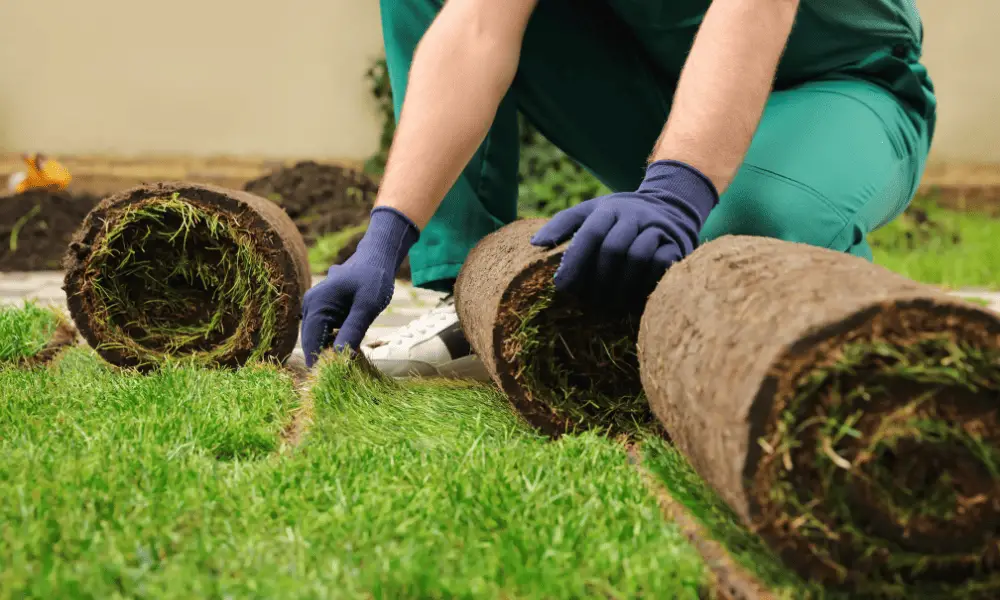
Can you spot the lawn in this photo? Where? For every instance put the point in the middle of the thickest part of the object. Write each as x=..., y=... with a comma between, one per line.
x=212, y=483
x=183, y=483
x=944, y=247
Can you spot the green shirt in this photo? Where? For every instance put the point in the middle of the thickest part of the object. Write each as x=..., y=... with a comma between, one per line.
x=876, y=40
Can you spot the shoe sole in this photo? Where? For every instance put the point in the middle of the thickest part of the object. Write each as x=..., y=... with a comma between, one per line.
x=467, y=367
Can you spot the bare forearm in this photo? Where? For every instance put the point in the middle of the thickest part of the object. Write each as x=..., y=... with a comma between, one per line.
x=725, y=85
x=460, y=73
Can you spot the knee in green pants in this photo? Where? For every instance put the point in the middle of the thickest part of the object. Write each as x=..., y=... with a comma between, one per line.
x=830, y=162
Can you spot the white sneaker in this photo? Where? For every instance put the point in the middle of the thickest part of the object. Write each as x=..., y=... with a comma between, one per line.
x=433, y=345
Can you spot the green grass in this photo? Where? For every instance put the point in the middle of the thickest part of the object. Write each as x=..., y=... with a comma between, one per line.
x=24, y=330
x=328, y=247
x=176, y=484
x=948, y=248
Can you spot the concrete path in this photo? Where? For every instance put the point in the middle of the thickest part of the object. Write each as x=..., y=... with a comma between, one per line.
x=408, y=302
x=45, y=287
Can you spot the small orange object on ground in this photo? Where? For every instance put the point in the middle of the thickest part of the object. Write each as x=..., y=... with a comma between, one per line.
x=42, y=172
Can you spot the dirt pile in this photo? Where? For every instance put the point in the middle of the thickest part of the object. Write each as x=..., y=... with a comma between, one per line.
x=320, y=199
x=177, y=269
x=325, y=201
x=564, y=366
x=846, y=414
x=36, y=227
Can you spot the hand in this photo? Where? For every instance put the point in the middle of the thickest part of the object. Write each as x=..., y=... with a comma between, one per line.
x=623, y=243
x=354, y=294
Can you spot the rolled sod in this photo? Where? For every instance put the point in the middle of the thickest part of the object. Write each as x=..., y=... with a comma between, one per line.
x=179, y=269
x=846, y=414
x=563, y=366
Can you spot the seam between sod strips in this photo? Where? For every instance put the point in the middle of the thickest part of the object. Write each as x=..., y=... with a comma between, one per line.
x=298, y=427
x=726, y=578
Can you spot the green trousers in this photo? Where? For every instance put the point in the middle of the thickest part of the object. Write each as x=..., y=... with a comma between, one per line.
x=839, y=151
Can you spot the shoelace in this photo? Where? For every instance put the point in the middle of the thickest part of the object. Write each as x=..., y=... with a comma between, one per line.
x=420, y=325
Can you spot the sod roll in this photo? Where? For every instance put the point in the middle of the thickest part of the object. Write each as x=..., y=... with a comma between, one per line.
x=845, y=413
x=563, y=366
x=179, y=269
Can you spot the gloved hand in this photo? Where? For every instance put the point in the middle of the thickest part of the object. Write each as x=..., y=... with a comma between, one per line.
x=354, y=293
x=623, y=243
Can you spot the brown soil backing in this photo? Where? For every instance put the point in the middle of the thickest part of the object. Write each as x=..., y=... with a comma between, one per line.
x=321, y=199
x=503, y=278
x=43, y=222
x=276, y=240
x=734, y=334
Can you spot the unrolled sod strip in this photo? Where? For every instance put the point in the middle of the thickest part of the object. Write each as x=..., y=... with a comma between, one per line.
x=846, y=414
x=563, y=366
x=179, y=269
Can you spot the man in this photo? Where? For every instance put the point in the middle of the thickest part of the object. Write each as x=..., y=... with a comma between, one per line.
x=803, y=120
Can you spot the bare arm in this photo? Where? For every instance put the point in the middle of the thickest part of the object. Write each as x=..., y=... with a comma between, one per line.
x=725, y=85
x=461, y=70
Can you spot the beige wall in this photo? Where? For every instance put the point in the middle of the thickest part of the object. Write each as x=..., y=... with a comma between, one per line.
x=963, y=56
x=285, y=79
x=246, y=77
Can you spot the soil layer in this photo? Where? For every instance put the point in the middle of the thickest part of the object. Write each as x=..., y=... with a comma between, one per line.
x=37, y=226
x=845, y=413
x=180, y=269
x=561, y=365
x=320, y=199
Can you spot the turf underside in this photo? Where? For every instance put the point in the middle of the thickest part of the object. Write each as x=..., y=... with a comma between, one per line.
x=178, y=484
x=25, y=330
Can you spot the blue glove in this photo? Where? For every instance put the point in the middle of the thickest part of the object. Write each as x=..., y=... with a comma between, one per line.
x=354, y=293
x=623, y=243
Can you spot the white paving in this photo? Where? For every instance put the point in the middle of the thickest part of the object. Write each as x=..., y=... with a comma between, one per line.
x=45, y=287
